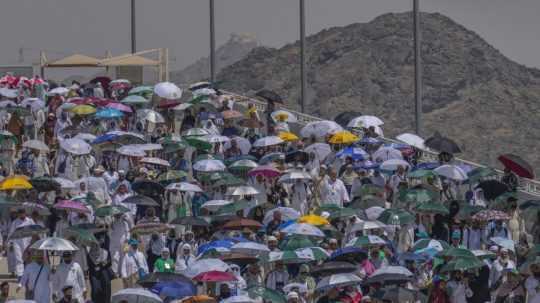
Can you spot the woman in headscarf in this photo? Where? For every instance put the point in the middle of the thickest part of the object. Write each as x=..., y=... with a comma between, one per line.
x=100, y=272
x=185, y=258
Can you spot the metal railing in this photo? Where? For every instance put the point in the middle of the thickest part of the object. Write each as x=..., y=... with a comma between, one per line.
x=526, y=186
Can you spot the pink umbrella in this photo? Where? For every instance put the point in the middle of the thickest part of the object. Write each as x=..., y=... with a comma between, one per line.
x=70, y=205
x=215, y=276
x=266, y=171
x=120, y=107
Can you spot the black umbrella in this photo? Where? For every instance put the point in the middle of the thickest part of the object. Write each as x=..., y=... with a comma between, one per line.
x=442, y=144
x=269, y=95
x=141, y=200
x=344, y=118
x=28, y=231
x=333, y=267
x=193, y=221
x=91, y=227
x=45, y=184
x=492, y=189
x=398, y=294
x=157, y=277
x=299, y=155
x=148, y=188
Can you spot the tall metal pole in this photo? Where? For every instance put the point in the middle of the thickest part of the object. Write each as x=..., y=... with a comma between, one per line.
x=303, y=76
x=212, y=43
x=133, y=33
x=417, y=68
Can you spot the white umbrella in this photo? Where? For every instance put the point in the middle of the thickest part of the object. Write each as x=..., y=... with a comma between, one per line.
x=196, y=132
x=367, y=225
x=76, y=146
x=147, y=146
x=58, y=91
x=9, y=93
x=131, y=151
x=65, y=183
x=8, y=103
x=322, y=150
x=294, y=176
x=412, y=140
x=374, y=212
x=386, y=153
x=250, y=248
x=242, y=191
x=338, y=280
x=54, y=244
x=135, y=295
x=287, y=214
x=119, y=81
x=155, y=161
x=243, y=144
x=184, y=186
x=504, y=243
x=203, y=92
x=451, y=172
x=215, y=139
x=85, y=136
x=34, y=103
x=36, y=144
x=268, y=141
x=150, y=115
x=365, y=122
x=214, y=205
x=320, y=129
x=393, y=164
x=279, y=115
x=209, y=165
x=371, y=239
x=239, y=299
x=205, y=265
x=390, y=273
x=303, y=229
x=168, y=90
x=243, y=164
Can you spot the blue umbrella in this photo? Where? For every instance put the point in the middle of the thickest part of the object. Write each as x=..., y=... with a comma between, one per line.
x=367, y=165
x=214, y=245
x=109, y=113
x=174, y=290
x=343, y=254
x=271, y=158
x=356, y=153
x=104, y=138
x=411, y=256
x=426, y=166
x=398, y=146
x=368, y=140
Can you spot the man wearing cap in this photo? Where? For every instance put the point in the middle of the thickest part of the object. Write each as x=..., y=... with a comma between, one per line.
x=35, y=279
x=133, y=265
x=68, y=272
x=164, y=263
x=501, y=264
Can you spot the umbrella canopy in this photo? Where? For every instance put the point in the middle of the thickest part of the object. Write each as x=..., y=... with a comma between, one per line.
x=36, y=144
x=303, y=229
x=80, y=236
x=320, y=129
x=110, y=210
x=205, y=265
x=396, y=217
x=143, y=90
x=154, y=278
x=268, y=141
x=490, y=214
x=242, y=223
x=184, y=186
x=313, y=220
x=242, y=191
x=349, y=254
x=150, y=228
x=333, y=267
x=215, y=276
x=148, y=188
x=192, y=221
x=492, y=189
x=168, y=90
x=131, y=151
x=338, y=280
x=386, y=153
x=462, y=264
x=45, y=184
x=294, y=176
x=83, y=110
x=316, y=253
x=321, y=150
x=296, y=242
x=150, y=116
x=54, y=244
x=452, y=172
x=286, y=213
x=134, y=99
x=412, y=140
x=442, y=144
x=343, y=137
x=140, y=200
x=390, y=274
x=356, y=153
x=480, y=173
x=69, y=205
x=250, y=248
x=109, y=113
x=174, y=289
x=155, y=161
x=243, y=165
x=16, y=182
x=516, y=164
x=287, y=257
x=345, y=117
x=28, y=231
x=365, y=121
x=267, y=171
x=393, y=164
x=432, y=208
x=136, y=295
x=283, y=116
x=76, y=146
x=370, y=240
x=214, y=205
x=209, y=166
x=269, y=95
x=266, y=294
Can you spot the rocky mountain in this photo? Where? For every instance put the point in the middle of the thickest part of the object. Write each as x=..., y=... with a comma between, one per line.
x=236, y=48
x=472, y=92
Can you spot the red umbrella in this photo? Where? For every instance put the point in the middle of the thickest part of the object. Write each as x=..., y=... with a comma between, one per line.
x=517, y=165
x=266, y=171
x=74, y=206
x=242, y=223
x=490, y=214
x=80, y=101
x=165, y=103
x=215, y=276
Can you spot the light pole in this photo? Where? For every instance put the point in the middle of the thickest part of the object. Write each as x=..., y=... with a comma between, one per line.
x=302, y=55
x=212, y=43
x=417, y=68
x=133, y=33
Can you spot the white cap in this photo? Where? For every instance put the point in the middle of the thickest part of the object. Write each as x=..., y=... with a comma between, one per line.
x=292, y=295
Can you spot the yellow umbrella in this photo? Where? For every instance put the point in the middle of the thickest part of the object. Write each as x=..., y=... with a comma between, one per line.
x=313, y=220
x=343, y=137
x=84, y=109
x=288, y=136
x=15, y=182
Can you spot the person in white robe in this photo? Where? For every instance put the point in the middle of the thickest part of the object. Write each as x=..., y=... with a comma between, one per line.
x=120, y=195
x=40, y=164
x=70, y=273
x=36, y=279
x=260, y=185
x=474, y=236
x=133, y=264
x=62, y=224
x=7, y=150
x=118, y=235
x=184, y=259
x=299, y=199
x=334, y=191
x=16, y=247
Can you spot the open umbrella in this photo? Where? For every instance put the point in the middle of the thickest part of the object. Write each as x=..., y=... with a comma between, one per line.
x=267, y=171
x=492, y=189
x=174, y=289
x=442, y=144
x=365, y=121
x=184, y=186
x=80, y=235
x=110, y=210
x=480, y=173
x=349, y=254
x=69, y=205
x=393, y=164
x=215, y=276
x=452, y=172
x=140, y=200
x=320, y=129
x=387, y=153
x=322, y=150
x=168, y=90
x=390, y=274
x=135, y=295
x=36, y=144
x=338, y=280
x=283, y=116
x=356, y=153
x=343, y=137
x=150, y=116
x=333, y=267
x=83, y=110
x=45, y=184
x=462, y=264
x=438, y=245
x=294, y=176
x=242, y=191
x=287, y=214
x=344, y=117
x=267, y=294
x=303, y=229
x=109, y=113
x=76, y=146
x=250, y=248
x=490, y=214
x=15, y=182
x=369, y=240
x=242, y=223
x=134, y=99
x=516, y=164
x=268, y=141
x=432, y=208
x=28, y=231
x=269, y=95
x=191, y=221
x=154, y=278
x=148, y=188
x=209, y=166
x=150, y=228
x=313, y=220
x=54, y=244
x=396, y=217
x=287, y=257
x=412, y=140
x=205, y=265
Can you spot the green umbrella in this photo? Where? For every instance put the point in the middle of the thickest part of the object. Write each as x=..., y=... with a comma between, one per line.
x=364, y=241
x=501, y=202
x=196, y=132
x=143, y=91
x=421, y=173
x=286, y=256
x=198, y=143
x=432, y=208
x=174, y=147
x=456, y=253
x=368, y=201
x=328, y=208
x=462, y=264
x=207, y=157
x=233, y=207
x=82, y=236
x=296, y=242
x=229, y=181
x=172, y=176
x=317, y=253
x=243, y=165
x=419, y=195
x=267, y=294
x=479, y=173
x=134, y=99
x=110, y=210
x=344, y=213
x=90, y=199
x=371, y=189
x=395, y=216
x=5, y=135
x=230, y=161
x=425, y=243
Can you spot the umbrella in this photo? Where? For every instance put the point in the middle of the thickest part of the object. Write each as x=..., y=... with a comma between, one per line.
x=131, y=151
x=455, y=252
x=370, y=240
x=269, y=95
x=303, y=229
x=233, y=208
x=338, y=280
x=86, y=137
x=109, y=113
x=143, y=90
x=374, y=212
x=205, y=265
x=83, y=110
x=442, y=144
x=490, y=214
x=432, y=208
x=530, y=204
x=238, y=299
x=479, y=173
x=288, y=257
x=365, y=121
x=58, y=91
x=209, y=166
x=492, y=188
x=287, y=214
x=386, y=153
x=155, y=161
x=516, y=164
x=271, y=157
x=150, y=228
x=28, y=231
x=191, y=221
x=296, y=242
x=349, y=254
x=344, y=118
x=80, y=235
x=421, y=173
x=399, y=294
x=148, y=188
x=174, y=289
x=412, y=140
x=462, y=264
x=215, y=276
x=297, y=156
x=171, y=176
x=140, y=200
x=333, y=267
x=135, y=295
x=243, y=144
x=15, y=182
x=288, y=136
x=320, y=129
x=76, y=146
x=368, y=201
x=267, y=294
x=390, y=274
x=110, y=210
x=45, y=184
x=184, y=186
x=242, y=191
x=168, y=90
x=423, y=244
x=134, y=99
x=150, y=116
x=356, y=153
x=231, y=114
x=283, y=116
x=266, y=171
x=217, y=245
x=268, y=141
x=54, y=244
x=313, y=220
x=73, y=206
x=419, y=195
x=214, y=205
x=42, y=210
x=250, y=248
x=343, y=137
x=396, y=217
x=294, y=176
x=215, y=139
x=504, y=243
x=154, y=278
x=242, y=223
x=36, y=144
x=393, y=164
x=452, y=172
x=199, y=299
x=243, y=165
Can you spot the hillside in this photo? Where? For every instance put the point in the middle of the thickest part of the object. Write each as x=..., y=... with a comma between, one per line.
x=472, y=92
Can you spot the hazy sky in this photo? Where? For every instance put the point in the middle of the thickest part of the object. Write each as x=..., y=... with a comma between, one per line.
x=94, y=26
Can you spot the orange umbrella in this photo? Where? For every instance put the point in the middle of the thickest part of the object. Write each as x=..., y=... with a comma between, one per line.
x=199, y=299
x=231, y=114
